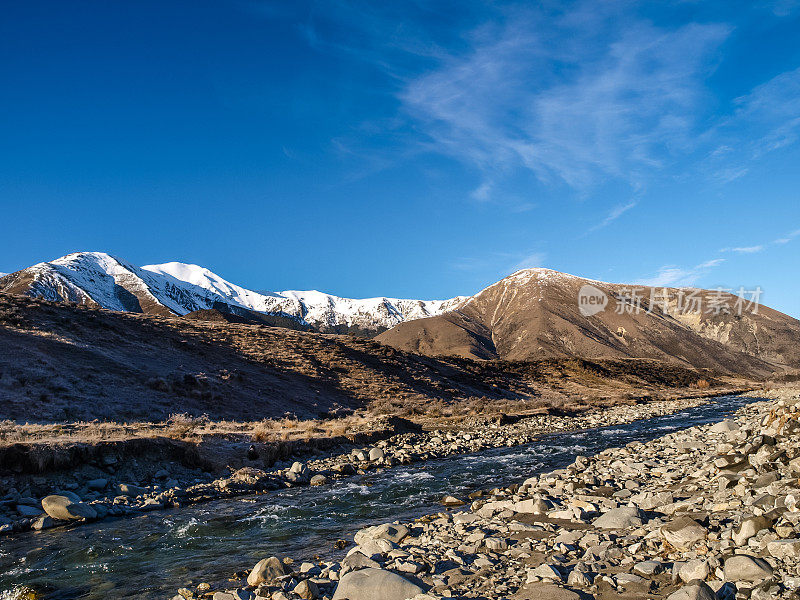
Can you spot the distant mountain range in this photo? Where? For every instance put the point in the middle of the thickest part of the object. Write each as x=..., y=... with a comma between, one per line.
x=101, y=280
x=530, y=315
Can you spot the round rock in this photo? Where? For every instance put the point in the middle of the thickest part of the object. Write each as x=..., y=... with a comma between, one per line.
x=65, y=508
x=696, y=590
x=694, y=569
x=746, y=568
x=372, y=584
x=267, y=570
x=307, y=590
x=683, y=533
x=620, y=518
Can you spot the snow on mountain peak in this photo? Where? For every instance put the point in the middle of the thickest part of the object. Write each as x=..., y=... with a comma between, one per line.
x=230, y=292
x=315, y=308
x=109, y=282
x=372, y=313
x=178, y=288
x=541, y=275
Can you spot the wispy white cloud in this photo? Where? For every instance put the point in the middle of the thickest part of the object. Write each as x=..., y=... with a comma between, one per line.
x=787, y=238
x=482, y=192
x=714, y=262
x=576, y=96
x=728, y=174
x=765, y=120
x=755, y=248
x=615, y=109
x=668, y=275
x=612, y=216
x=535, y=259
x=774, y=106
x=744, y=249
x=675, y=276
x=522, y=207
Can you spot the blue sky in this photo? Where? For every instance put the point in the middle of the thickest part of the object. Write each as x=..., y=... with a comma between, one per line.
x=417, y=149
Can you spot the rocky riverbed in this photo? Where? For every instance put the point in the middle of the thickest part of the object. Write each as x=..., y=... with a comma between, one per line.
x=107, y=488
x=711, y=512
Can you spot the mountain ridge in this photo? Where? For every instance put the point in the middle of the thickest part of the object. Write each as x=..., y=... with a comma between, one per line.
x=535, y=313
x=532, y=314
x=173, y=288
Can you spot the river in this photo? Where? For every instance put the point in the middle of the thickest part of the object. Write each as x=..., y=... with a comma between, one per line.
x=150, y=556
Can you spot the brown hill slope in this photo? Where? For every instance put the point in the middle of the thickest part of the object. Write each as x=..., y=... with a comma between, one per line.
x=534, y=314
x=63, y=362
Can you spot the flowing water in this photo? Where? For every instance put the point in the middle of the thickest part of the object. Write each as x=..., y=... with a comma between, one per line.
x=151, y=555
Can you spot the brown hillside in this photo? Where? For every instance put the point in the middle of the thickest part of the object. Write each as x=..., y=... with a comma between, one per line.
x=534, y=314
x=63, y=362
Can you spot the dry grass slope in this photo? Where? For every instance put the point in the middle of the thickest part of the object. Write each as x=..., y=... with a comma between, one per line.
x=67, y=363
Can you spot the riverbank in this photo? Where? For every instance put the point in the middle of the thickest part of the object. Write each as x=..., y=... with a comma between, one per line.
x=104, y=482
x=708, y=512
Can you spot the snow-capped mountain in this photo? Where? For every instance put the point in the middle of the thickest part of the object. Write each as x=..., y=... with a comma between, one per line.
x=98, y=279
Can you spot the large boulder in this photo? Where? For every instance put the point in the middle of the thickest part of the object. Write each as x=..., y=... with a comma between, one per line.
x=97, y=484
x=696, y=590
x=748, y=528
x=746, y=568
x=389, y=531
x=357, y=560
x=374, y=548
x=536, y=506
x=268, y=570
x=725, y=426
x=374, y=584
x=694, y=569
x=785, y=548
x=683, y=533
x=67, y=508
x=650, y=501
x=545, y=591
x=620, y=518
x=545, y=571
x=307, y=590
x=648, y=568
